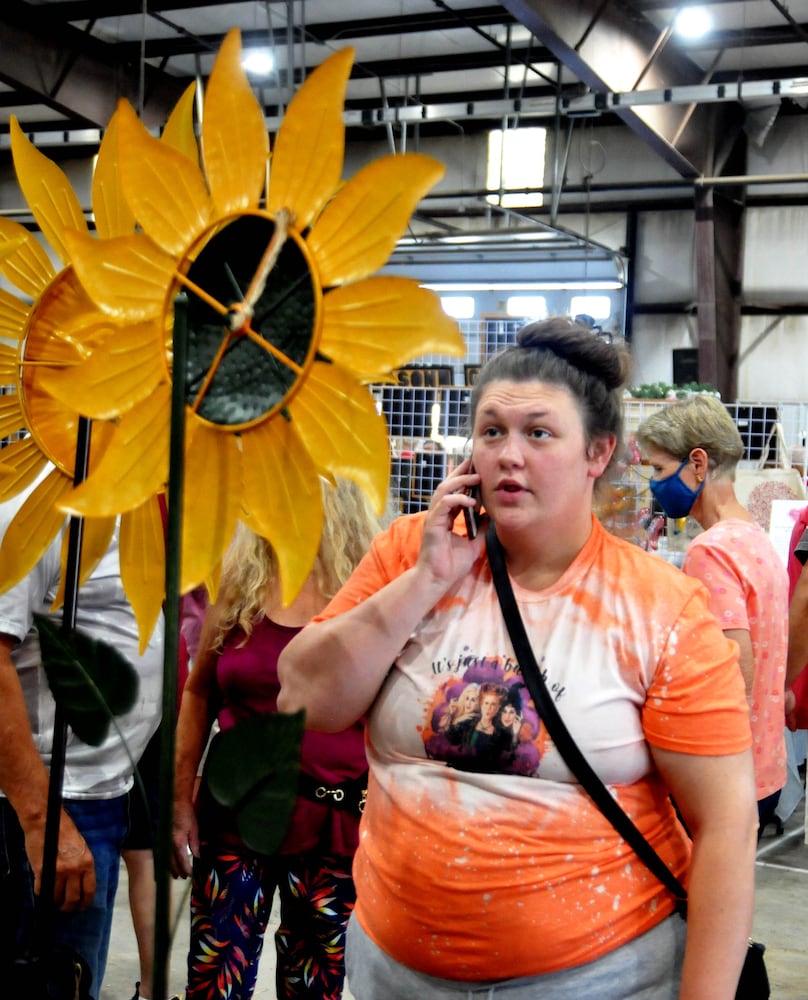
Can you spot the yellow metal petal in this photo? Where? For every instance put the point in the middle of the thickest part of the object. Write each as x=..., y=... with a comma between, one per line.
x=32, y=530
x=11, y=418
x=338, y=423
x=23, y=259
x=127, y=277
x=142, y=556
x=309, y=150
x=235, y=144
x=13, y=316
x=61, y=317
x=283, y=498
x=212, y=471
x=47, y=191
x=22, y=462
x=179, y=129
x=8, y=365
x=165, y=190
x=113, y=216
x=62, y=322
x=357, y=231
x=134, y=465
x=95, y=539
x=125, y=366
x=378, y=324
x=212, y=583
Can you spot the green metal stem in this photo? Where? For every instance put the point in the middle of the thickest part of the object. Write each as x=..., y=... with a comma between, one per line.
x=176, y=470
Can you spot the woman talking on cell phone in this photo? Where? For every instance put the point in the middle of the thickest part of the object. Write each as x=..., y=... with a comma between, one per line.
x=537, y=895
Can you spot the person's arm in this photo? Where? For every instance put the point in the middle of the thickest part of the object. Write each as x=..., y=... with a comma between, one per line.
x=193, y=729
x=717, y=569
x=334, y=669
x=24, y=779
x=798, y=628
x=716, y=796
x=746, y=657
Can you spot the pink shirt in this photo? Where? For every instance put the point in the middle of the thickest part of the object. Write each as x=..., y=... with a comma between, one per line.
x=748, y=587
x=248, y=685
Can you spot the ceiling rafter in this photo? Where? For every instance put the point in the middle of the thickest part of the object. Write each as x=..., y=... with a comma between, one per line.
x=585, y=37
x=72, y=73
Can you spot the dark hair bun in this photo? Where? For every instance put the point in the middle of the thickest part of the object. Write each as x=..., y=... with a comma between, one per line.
x=579, y=347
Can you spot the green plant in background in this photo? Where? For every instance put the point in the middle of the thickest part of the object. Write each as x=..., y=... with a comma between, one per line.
x=664, y=390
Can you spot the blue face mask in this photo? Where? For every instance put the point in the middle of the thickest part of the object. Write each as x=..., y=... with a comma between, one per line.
x=673, y=495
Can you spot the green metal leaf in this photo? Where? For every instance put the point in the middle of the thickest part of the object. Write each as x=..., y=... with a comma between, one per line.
x=90, y=680
x=253, y=770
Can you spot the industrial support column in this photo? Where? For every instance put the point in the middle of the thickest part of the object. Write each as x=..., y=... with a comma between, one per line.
x=719, y=214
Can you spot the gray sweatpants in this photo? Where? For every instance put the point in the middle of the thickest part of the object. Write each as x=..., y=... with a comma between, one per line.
x=648, y=968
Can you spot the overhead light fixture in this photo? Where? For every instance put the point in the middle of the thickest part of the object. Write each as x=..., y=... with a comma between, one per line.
x=258, y=62
x=594, y=285
x=692, y=22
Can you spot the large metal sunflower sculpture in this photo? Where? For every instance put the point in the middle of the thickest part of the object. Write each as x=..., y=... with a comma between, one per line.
x=56, y=328
x=286, y=323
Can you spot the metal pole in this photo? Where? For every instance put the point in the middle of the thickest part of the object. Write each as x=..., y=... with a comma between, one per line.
x=176, y=469
x=45, y=909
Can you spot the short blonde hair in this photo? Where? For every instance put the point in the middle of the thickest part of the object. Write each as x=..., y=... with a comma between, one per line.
x=250, y=567
x=698, y=422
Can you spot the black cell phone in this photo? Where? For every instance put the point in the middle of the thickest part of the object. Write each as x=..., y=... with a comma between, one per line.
x=470, y=513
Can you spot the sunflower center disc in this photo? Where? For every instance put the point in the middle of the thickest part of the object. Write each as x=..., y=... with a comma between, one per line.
x=234, y=378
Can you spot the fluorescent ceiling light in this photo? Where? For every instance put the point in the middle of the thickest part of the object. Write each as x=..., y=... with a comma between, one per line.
x=508, y=236
x=692, y=22
x=258, y=62
x=524, y=286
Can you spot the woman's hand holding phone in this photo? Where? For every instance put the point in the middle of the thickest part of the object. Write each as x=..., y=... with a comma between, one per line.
x=470, y=513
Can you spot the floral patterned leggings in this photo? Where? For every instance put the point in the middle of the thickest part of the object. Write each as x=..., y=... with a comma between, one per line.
x=231, y=899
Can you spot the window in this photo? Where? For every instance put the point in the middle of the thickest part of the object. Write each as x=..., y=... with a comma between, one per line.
x=458, y=306
x=516, y=160
x=596, y=306
x=527, y=306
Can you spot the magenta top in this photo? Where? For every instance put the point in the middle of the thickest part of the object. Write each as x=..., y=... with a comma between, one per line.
x=247, y=678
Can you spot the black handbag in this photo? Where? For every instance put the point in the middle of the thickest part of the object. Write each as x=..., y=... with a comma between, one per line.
x=61, y=975
x=754, y=981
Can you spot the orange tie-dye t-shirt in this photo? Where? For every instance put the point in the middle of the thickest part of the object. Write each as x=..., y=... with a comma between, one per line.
x=480, y=856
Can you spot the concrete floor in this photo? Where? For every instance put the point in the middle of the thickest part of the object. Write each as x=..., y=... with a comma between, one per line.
x=781, y=922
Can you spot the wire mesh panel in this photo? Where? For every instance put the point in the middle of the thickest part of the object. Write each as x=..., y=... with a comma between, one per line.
x=9, y=390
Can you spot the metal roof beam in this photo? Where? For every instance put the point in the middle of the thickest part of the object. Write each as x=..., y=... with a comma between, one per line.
x=609, y=48
x=581, y=106
x=72, y=73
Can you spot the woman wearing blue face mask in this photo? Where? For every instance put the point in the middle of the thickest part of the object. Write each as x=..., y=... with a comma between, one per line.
x=694, y=448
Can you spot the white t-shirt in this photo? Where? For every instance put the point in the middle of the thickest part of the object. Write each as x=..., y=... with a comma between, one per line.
x=103, y=612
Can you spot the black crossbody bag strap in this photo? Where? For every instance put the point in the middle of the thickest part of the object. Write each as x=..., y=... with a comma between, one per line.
x=557, y=729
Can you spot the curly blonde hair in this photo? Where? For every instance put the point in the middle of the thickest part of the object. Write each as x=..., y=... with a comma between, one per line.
x=250, y=567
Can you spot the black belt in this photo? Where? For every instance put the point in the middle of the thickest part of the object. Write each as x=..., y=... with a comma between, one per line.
x=348, y=795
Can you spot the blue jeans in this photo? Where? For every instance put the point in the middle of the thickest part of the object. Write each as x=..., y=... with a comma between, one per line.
x=102, y=823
